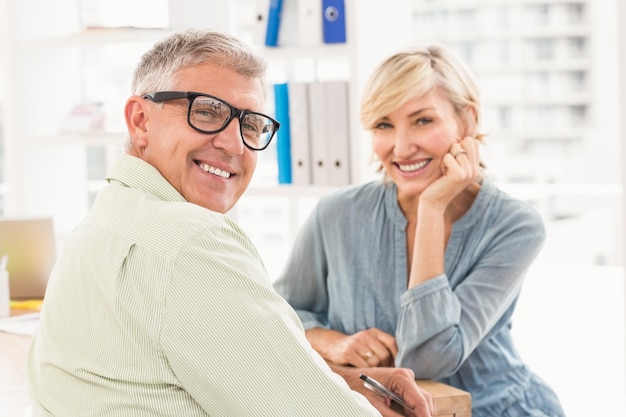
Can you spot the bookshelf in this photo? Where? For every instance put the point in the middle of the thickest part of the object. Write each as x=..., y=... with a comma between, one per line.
x=87, y=56
x=54, y=163
x=372, y=33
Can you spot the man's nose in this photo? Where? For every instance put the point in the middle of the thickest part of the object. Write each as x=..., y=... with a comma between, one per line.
x=230, y=139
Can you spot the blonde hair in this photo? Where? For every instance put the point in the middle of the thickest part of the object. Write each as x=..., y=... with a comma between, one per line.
x=413, y=73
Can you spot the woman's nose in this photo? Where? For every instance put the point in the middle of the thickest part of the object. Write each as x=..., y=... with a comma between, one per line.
x=405, y=144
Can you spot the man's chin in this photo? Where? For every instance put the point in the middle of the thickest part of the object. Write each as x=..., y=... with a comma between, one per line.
x=218, y=203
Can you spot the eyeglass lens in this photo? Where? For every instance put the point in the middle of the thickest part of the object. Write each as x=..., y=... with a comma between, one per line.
x=210, y=114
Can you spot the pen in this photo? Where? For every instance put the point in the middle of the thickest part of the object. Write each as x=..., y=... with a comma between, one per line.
x=380, y=389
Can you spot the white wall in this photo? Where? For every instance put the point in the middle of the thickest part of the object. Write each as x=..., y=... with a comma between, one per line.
x=570, y=322
x=569, y=327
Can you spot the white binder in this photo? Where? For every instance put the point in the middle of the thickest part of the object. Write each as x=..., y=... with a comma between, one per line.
x=288, y=32
x=300, y=23
x=320, y=173
x=214, y=14
x=300, y=142
x=310, y=22
x=259, y=27
x=338, y=133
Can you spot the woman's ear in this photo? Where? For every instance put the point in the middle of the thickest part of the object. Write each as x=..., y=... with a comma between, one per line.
x=136, y=121
x=470, y=121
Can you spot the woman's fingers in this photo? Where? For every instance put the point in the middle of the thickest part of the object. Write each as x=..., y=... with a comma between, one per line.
x=371, y=347
x=463, y=159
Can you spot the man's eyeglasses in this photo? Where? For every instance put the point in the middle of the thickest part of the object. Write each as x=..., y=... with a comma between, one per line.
x=209, y=114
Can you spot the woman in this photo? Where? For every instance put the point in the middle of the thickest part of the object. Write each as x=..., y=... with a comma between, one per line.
x=423, y=268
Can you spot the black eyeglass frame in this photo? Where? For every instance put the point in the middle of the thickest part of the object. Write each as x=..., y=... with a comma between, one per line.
x=161, y=96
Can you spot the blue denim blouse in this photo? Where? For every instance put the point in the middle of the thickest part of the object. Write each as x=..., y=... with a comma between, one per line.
x=348, y=271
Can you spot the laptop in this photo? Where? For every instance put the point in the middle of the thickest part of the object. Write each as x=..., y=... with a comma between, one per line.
x=30, y=246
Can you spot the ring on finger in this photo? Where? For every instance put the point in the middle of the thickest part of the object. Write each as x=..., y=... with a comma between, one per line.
x=368, y=355
x=462, y=151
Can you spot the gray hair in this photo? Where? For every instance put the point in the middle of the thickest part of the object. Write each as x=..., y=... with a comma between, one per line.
x=157, y=68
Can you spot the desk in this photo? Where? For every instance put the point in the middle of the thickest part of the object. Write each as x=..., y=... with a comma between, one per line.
x=448, y=401
x=14, y=397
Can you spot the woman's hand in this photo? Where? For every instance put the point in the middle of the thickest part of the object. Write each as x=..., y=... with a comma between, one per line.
x=367, y=348
x=460, y=166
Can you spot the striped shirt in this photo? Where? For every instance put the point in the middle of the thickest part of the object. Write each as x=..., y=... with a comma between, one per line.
x=159, y=307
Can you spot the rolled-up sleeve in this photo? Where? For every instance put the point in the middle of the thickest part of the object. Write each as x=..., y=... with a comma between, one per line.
x=443, y=320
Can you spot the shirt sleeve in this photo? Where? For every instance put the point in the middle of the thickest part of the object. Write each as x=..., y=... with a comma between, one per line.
x=236, y=346
x=439, y=325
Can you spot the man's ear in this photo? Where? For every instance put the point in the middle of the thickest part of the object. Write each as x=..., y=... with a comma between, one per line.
x=135, y=113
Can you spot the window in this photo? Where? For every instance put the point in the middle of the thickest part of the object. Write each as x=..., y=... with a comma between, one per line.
x=543, y=49
x=537, y=15
x=576, y=13
x=576, y=48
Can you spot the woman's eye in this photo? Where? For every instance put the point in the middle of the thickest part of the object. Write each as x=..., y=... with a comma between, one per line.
x=382, y=125
x=423, y=121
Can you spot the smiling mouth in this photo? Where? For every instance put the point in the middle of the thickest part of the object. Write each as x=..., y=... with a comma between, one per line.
x=413, y=167
x=215, y=171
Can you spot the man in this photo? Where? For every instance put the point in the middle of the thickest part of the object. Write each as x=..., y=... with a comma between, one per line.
x=159, y=305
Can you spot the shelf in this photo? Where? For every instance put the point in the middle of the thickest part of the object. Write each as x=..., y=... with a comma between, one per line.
x=291, y=191
x=511, y=35
x=306, y=52
x=553, y=99
x=90, y=65
x=532, y=191
x=94, y=138
x=98, y=36
x=459, y=5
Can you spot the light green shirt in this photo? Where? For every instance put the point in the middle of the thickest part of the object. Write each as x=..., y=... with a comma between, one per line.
x=159, y=307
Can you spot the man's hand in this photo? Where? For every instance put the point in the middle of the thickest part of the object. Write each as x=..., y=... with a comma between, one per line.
x=399, y=380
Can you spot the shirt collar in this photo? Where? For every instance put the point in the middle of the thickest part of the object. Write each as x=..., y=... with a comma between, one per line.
x=133, y=172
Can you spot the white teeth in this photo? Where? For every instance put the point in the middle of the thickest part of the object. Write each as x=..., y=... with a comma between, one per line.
x=215, y=171
x=413, y=167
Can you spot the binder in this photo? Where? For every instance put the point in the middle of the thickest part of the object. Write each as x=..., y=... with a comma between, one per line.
x=318, y=133
x=283, y=140
x=309, y=22
x=212, y=14
x=338, y=133
x=288, y=31
x=300, y=135
x=300, y=23
x=259, y=27
x=273, y=22
x=333, y=21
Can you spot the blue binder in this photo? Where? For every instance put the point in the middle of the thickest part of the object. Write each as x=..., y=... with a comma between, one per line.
x=334, y=21
x=283, y=139
x=273, y=22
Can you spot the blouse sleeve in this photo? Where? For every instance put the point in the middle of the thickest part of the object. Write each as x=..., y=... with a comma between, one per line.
x=302, y=281
x=440, y=325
